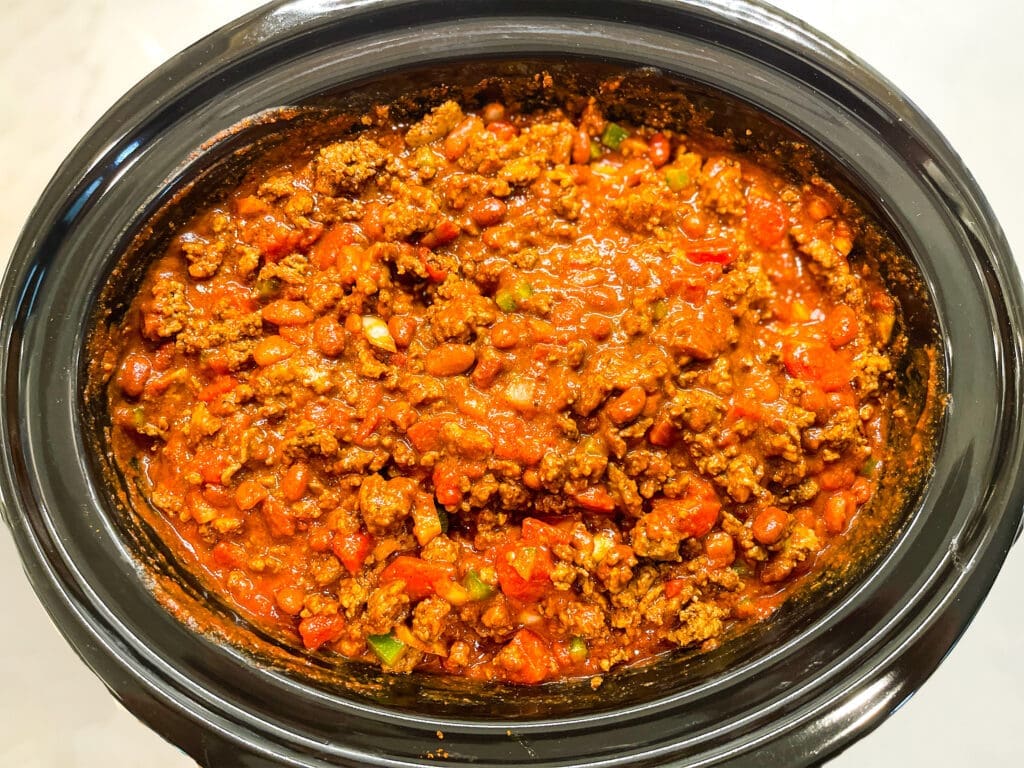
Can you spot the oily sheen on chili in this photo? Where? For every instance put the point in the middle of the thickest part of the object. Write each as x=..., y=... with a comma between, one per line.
x=516, y=396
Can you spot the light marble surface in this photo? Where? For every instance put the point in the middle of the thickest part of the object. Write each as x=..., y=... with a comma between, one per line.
x=63, y=64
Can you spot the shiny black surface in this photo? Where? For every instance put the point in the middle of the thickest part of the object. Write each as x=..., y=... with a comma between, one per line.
x=810, y=695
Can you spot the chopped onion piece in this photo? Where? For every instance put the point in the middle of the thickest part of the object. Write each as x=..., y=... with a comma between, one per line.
x=377, y=333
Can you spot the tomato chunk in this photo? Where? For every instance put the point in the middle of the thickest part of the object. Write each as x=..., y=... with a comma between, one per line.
x=219, y=386
x=325, y=252
x=693, y=517
x=524, y=572
x=319, y=630
x=596, y=499
x=767, y=221
x=421, y=577
x=425, y=435
x=810, y=361
x=351, y=549
x=711, y=253
x=527, y=659
x=447, y=483
x=535, y=531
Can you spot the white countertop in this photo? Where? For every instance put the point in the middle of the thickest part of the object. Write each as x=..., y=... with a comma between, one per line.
x=63, y=63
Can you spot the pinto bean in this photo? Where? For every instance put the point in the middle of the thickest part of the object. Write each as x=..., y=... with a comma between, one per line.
x=285, y=312
x=581, y=147
x=329, y=336
x=402, y=330
x=457, y=141
x=505, y=334
x=133, y=374
x=659, y=149
x=449, y=359
x=487, y=212
x=295, y=481
x=839, y=508
x=272, y=349
x=493, y=112
x=627, y=406
x=290, y=599
x=769, y=525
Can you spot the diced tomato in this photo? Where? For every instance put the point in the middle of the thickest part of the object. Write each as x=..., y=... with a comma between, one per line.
x=336, y=414
x=216, y=360
x=445, y=232
x=531, y=450
x=711, y=253
x=506, y=443
x=426, y=520
x=839, y=508
x=535, y=531
x=420, y=576
x=596, y=499
x=367, y=426
x=425, y=434
x=351, y=260
x=527, y=659
x=447, y=479
x=278, y=520
x=219, y=386
x=509, y=439
x=318, y=630
x=466, y=399
x=250, y=205
x=400, y=414
x=743, y=408
x=811, y=361
x=662, y=434
x=435, y=272
x=235, y=294
x=198, y=508
x=524, y=572
x=211, y=463
x=806, y=361
x=627, y=406
x=325, y=252
x=862, y=490
x=230, y=554
x=698, y=487
x=842, y=326
x=691, y=516
x=673, y=587
x=351, y=549
x=275, y=238
x=767, y=220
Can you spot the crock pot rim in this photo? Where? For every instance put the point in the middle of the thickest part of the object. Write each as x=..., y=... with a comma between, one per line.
x=278, y=21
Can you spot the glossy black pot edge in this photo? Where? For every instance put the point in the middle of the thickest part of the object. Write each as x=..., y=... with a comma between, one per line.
x=65, y=607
